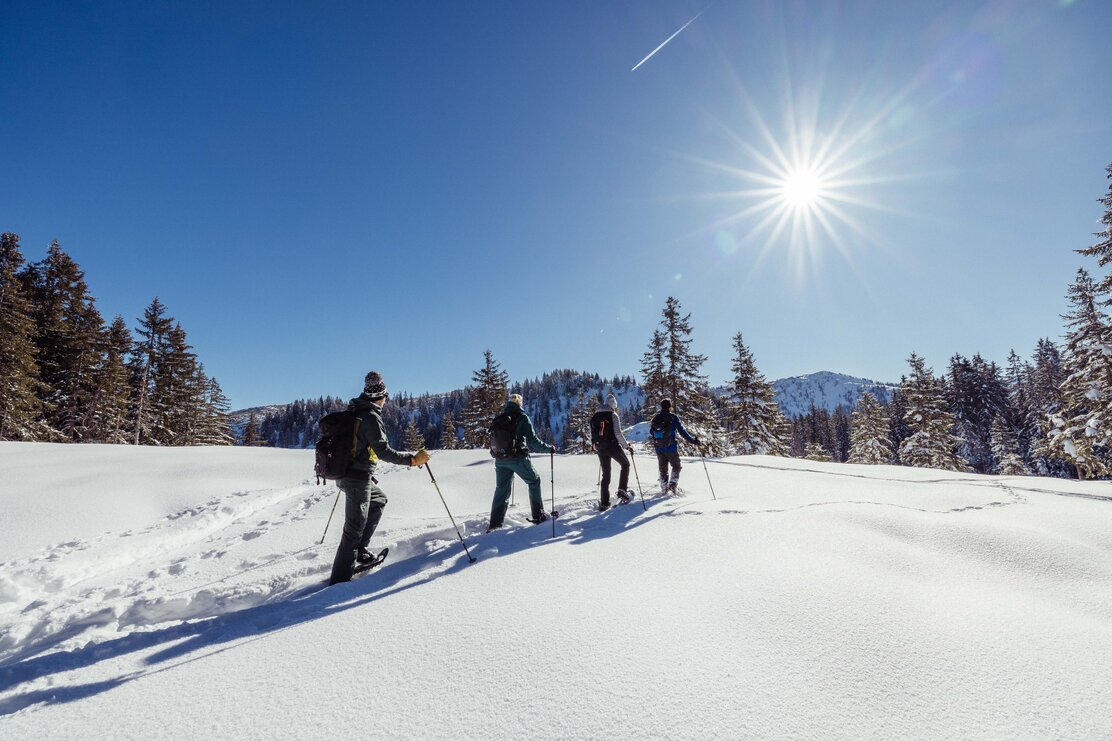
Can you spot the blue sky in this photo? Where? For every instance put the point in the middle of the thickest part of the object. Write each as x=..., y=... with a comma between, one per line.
x=318, y=189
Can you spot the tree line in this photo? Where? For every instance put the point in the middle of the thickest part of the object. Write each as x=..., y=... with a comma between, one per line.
x=67, y=376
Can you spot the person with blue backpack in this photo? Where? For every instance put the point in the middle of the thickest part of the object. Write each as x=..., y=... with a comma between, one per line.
x=662, y=431
x=511, y=438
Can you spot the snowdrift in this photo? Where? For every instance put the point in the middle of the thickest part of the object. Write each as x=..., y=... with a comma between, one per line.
x=179, y=593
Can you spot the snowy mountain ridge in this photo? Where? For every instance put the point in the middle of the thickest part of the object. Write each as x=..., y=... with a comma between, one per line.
x=795, y=395
x=826, y=390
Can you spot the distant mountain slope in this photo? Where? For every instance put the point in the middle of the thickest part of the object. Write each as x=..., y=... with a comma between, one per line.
x=549, y=400
x=826, y=390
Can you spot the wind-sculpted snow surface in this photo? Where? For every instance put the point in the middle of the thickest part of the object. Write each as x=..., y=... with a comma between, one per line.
x=807, y=600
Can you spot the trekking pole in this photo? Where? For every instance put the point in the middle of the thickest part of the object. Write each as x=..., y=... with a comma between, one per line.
x=334, y=503
x=708, y=473
x=552, y=480
x=639, y=489
x=512, y=487
x=461, y=540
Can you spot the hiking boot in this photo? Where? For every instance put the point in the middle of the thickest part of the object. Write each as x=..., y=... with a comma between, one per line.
x=542, y=517
x=364, y=556
x=672, y=487
x=625, y=496
x=603, y=506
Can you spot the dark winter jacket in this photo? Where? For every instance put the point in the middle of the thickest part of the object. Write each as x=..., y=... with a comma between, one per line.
x=526, y=438
x=609, y=417
x=371, y=444
x=669, y=421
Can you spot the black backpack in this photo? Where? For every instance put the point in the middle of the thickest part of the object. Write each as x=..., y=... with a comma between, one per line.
x=503, y=436
x=663, y=431
x=602, y=427
x=336, y=446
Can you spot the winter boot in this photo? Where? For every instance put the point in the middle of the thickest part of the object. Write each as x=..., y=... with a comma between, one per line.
x=624, y=496
x=673, y=485
x=364, y=556
x=497, y=517
x=603, y=505
x=542, y=517
x=663, y=485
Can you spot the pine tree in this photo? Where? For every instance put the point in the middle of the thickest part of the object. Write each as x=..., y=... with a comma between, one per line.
x=654, y=380
x=754, y=419
x=1102, y=250
x=869, y=438
x=1081, y=432
x=177, y=393
x=1045, y=390
x=114, y=388
x=215, y=427
x=251, y=431
x=931, y=444
x=20, y=406
x=681, y=380
x=898, y=428
x=487, y=397
x=1008, y=462
x=579, y=423
x=449, y=438
x=414, y=440
x=69, y=332
x=153, y=329
x=840, y=422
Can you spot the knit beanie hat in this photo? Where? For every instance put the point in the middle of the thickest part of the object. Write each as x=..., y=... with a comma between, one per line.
x=612, y=401
x=516, y=399
x=665, y=405
x=373, y=386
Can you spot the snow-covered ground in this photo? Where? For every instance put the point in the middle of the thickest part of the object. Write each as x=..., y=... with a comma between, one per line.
x=179, y=594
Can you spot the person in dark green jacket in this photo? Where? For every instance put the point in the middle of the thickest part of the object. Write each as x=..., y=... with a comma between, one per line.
x=525, y=440
x=364, y=500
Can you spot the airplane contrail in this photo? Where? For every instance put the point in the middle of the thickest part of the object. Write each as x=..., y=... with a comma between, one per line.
x=677, y=33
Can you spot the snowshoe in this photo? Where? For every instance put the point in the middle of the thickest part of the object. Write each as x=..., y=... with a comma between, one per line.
x=624, y=496
x=538, y=520
x=375, y=560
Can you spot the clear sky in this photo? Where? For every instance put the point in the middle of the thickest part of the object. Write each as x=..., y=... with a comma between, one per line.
x=317, y=189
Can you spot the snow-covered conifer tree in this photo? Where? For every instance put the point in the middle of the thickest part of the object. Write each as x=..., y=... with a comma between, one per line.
x=869, y=440
x=113, y=394
x=69, y=332
x=486, y=399
x=579, y=423
x=755, y=421
x=449, y=438
x=153, y=328
x=931, y=444
x=20, y=406
x=1008, y=462
x=1081, y=432
x=414, y=440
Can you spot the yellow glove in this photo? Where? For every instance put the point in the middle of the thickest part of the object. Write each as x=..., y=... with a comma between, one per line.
x=420, y=458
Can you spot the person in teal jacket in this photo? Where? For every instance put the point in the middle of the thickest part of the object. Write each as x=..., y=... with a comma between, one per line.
x=525, y=439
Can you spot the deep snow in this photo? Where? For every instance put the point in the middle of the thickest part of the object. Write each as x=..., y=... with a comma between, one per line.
x=178, y=593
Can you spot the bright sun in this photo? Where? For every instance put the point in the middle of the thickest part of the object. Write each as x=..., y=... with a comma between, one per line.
x=802, y=189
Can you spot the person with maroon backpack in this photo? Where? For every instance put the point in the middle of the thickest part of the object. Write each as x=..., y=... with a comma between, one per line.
x=610, y=444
